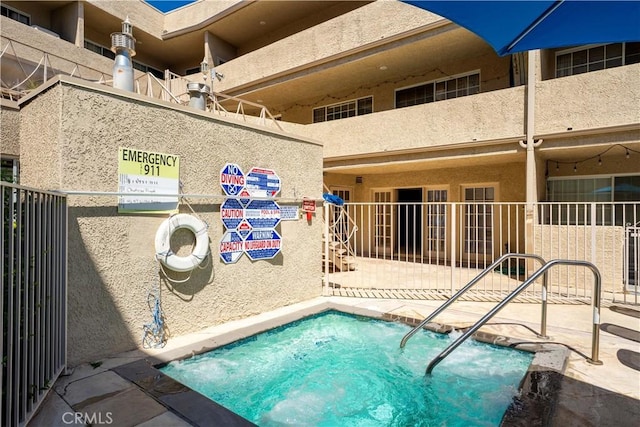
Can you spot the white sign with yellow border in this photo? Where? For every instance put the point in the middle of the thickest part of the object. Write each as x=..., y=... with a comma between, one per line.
x=143, y=174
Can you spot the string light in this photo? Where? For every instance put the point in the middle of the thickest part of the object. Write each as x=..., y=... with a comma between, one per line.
x=628, y=152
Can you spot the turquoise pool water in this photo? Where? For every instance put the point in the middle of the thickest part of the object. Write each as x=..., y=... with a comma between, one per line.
x=335, y=370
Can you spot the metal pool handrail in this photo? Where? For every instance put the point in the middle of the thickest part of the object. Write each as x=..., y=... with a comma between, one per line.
x=543, y=326
x=595, y=336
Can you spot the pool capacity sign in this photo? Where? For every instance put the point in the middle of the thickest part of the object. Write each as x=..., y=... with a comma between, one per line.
x=143, y=174
x=248, y=214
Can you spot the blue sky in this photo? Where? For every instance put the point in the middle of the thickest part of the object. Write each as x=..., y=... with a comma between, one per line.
x=168, y=5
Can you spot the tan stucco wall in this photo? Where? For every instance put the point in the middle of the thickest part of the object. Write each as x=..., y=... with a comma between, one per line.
x=112, y=265
x=574, y=242
x=345, y=33
x=426, y=125
x=591, y=100
x=9, y=128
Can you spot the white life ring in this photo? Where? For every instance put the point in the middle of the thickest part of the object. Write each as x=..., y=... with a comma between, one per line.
x=163, y=242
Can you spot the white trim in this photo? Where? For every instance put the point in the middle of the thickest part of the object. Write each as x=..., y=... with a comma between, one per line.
x=444, y=79
x=341, y=103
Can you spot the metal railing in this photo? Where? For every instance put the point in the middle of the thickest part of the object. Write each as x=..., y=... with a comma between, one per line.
x=33, y=297
x=595, y=334
x=497, y=263
x=432, y=249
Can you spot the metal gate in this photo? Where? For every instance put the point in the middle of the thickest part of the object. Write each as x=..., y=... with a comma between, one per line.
x=33, y=297
x=632, y=260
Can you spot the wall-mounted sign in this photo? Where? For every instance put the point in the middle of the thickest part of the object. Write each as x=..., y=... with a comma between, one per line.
x=231, y=247
x=262, y=214
x=262, y=183
x=262, y=244
x=289, y=213
x=231, y=213
x=232, y=179
x=143, y=174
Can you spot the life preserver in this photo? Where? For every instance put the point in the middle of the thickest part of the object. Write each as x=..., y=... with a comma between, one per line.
x=163, y=242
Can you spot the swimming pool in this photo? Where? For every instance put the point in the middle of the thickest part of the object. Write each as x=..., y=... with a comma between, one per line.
x=335, y=369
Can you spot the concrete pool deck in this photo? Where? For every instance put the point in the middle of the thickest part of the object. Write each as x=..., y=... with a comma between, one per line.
x=123, y=390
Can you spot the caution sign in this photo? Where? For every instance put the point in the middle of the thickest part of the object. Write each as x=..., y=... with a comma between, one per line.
x=231, y=213
x=262, y=214
x=262, y=244
x=143, y=174
x=232, y=179
x=262, y=182
x=231, y=247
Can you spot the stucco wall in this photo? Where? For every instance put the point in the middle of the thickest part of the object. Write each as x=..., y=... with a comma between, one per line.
x=9, y=128
x=345, y=33
x=574, y=243
x=426, y=125
x=591, y=100
x=112, y=264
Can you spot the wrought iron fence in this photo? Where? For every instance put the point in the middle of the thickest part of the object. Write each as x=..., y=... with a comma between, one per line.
x=431, y=250
x=33, y=238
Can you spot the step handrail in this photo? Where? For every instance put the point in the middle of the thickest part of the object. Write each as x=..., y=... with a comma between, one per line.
x=595, y=334
x=543, y=326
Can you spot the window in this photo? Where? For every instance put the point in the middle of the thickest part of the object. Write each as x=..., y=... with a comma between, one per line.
x=578, y=194
x=15, y=15
x=438, y=90
x=343, y=110
x=478, y=224
x=147, y=69
x=9, y=170
x=100, y=50
x=436, y=220
x=193, y=70
x=106, y=52
x=595, y=58
x=382, y=223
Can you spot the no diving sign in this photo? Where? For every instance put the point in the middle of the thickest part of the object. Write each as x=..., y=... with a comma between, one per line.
x=232, y=179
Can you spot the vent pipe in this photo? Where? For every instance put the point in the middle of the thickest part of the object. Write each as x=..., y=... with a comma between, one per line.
x=123, y=45
x=198, y=93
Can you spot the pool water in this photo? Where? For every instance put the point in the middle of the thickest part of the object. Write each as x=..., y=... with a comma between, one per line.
x=335, y=369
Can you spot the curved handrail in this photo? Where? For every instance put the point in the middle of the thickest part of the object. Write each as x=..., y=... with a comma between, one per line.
x=595, y=339
x=476, y=280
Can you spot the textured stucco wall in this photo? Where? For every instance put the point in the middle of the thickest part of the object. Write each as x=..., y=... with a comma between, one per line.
x=9, y=128
x=345, y=33
x=591, y=100
x=427, y=125
x=575, y=242
x=112, y=265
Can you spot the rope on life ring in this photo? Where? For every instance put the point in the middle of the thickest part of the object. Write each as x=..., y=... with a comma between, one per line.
x=165, y=255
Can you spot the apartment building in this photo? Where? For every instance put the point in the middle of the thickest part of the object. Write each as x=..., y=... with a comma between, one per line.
x=410, y=107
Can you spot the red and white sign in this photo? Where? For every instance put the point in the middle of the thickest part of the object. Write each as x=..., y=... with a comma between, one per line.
x=308, y=205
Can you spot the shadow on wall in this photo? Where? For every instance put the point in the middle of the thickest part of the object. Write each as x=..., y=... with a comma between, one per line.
x=96, y=326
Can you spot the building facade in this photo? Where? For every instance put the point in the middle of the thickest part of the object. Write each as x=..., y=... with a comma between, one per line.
x=410, y=108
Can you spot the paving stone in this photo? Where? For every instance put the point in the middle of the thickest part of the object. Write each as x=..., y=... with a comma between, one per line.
x=167, y=419
x=53, y=412
x=87, y=390
x=126, y=409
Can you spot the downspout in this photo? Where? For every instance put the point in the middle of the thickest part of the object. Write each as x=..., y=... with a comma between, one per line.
x=530, y=145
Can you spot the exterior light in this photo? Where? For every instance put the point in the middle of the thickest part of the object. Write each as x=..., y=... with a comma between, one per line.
x=599, y=161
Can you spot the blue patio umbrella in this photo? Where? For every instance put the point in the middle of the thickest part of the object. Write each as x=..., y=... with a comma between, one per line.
x=517, y=26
